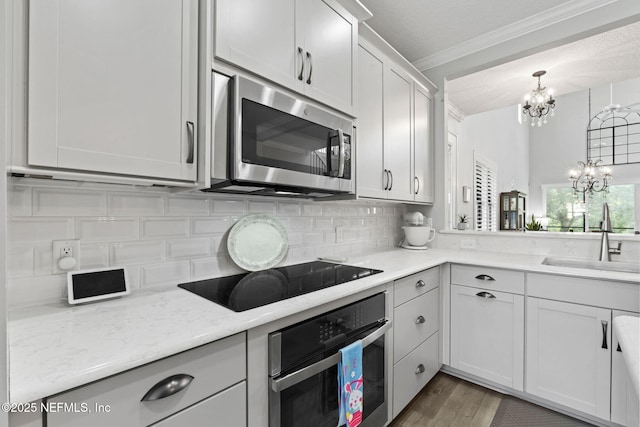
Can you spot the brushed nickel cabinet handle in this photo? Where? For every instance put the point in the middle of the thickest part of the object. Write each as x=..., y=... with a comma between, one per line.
x=191, y=140
x=386, y=179
x=420, y=369
x=605, y=326
x=420, y=319
x=301, y=53
x=167, y=387
x=485, y=277
x=310, y=67
x=391, y=180
x=488, y=295
x=417, y=183
x=420, y=284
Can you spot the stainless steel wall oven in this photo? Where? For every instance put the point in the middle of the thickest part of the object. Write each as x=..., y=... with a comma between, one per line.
x=303, y=366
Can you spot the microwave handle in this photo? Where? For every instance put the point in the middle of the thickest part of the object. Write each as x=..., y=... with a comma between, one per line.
x=294, y=378
x=341, y=157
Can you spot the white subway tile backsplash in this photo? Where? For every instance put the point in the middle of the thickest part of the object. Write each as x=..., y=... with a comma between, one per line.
x=167, y=273
x=128, y=204
x=19, y=200
x=189, y=248
x=94, y=255
x=107, y=229
x=312, y=209
x=137, y=252
x=20, y=261
x=229, y=207
x=208, y=226
x=165, y=238
x=68, y=202
x=187, y=206
x=43, y=259
x=292, y=209
x=155, y=228
x=26, y=229
x=262, y=207
x=323, y=224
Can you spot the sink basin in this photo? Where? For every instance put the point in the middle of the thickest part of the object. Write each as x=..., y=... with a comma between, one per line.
x=625, y=267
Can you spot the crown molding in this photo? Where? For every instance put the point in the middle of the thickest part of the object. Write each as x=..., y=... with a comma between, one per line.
x=520, y=28
x=455, y=112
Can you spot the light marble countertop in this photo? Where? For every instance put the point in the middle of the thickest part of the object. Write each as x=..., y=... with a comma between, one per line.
x=627, y=329
x=57, y=347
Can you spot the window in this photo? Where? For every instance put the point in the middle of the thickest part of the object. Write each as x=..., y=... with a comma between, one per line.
x=485, y=177
x=567, y=211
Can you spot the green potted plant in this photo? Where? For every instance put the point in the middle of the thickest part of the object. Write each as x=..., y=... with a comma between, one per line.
x=463, y=221
x=533, y=225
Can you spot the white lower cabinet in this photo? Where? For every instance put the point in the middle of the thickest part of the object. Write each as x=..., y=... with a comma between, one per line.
x=621, y=412
x=188, y=389
x=487, y=334
x=416, y=342
x=569, y=355
x=229, y=408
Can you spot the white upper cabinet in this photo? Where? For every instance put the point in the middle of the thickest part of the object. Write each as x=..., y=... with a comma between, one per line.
x=394, y=147
x=305, y=45
x=113, y=87
x=397, y=133
x=423, y=188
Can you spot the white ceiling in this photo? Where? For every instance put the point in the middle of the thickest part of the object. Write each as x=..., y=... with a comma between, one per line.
x=430, y=33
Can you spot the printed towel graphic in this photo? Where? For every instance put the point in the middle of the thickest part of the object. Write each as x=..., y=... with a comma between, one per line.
x=350, y=386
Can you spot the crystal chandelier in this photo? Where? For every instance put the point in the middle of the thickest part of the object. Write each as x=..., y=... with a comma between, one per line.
x=539, y=103
x=591, y=177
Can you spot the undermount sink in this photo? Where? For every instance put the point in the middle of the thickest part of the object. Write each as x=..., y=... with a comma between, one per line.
x=625, y=267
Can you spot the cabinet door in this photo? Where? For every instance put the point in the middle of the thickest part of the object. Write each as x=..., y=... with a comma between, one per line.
x=228, y=408
x=422, y=184
x=619, y=376
x=330, y=45
x=397, y=133
x=260, y=36
x=113, y=86
x=487, y=334
x=568, y=355
x=371, y=179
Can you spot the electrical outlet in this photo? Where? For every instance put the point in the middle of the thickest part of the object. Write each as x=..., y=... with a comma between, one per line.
x=468, y=243
x=64, y=249
x=340, y=234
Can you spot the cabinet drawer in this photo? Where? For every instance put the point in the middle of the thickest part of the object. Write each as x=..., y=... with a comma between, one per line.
x=228, y=408
x=213, y=367
x=415, y=285
x=413, y=372
x=414, y=322
x=491, y=278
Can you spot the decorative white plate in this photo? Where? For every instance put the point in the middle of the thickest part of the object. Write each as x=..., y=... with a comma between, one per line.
x=257, y=242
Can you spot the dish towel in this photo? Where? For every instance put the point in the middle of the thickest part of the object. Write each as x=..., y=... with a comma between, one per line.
x=350, y=385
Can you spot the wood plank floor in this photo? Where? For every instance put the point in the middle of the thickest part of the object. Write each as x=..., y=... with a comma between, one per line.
x=449, y=401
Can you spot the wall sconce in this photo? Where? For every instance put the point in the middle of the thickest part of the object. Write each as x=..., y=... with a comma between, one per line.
x=466, y=193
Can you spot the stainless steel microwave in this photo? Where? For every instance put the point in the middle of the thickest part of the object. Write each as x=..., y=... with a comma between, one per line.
x=268, y=142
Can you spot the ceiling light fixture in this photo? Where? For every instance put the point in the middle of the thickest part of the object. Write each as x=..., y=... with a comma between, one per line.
x=591, y=178
x=539, y=103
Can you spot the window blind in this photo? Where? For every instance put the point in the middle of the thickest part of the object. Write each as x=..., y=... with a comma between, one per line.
x=486, y=196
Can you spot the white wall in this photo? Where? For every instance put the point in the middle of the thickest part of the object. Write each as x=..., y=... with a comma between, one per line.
x=497, y=136
x=557, y=146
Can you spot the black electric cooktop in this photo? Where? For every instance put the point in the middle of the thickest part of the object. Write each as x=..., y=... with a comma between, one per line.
x=250, y=290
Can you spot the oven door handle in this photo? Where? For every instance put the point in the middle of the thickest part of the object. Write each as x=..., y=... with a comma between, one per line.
x=294, y=378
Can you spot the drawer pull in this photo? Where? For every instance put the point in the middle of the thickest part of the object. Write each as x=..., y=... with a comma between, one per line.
x=420, y=284
x=485, y=295
x=605, y=326
x=167, y=387
x=485, y=277
x=420, y=319
x=420, y=369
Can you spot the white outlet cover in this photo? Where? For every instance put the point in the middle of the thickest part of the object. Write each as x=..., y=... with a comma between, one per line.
x=57, y=254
